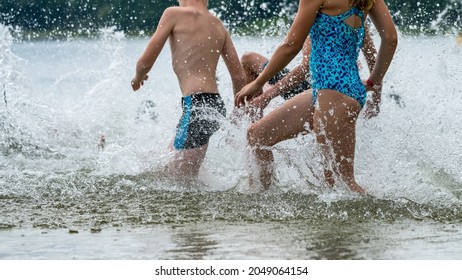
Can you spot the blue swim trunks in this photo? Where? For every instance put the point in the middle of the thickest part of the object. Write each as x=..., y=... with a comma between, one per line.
x=200, y=120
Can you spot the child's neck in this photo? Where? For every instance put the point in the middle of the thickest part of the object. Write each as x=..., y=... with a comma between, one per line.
x=194, y=3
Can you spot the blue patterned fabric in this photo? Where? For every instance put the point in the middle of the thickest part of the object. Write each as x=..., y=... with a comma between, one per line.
x=200, y=120
x=335, y=50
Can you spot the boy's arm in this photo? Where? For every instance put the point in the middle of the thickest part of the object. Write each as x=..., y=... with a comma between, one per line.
x=233, y=63
x=154, y=47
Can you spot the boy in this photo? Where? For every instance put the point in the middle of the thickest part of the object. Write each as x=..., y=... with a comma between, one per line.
x=197, y=40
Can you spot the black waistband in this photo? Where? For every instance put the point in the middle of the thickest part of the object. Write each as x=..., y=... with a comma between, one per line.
x=202, y=96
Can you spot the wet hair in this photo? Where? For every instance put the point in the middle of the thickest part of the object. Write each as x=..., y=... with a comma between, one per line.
x=364, y=5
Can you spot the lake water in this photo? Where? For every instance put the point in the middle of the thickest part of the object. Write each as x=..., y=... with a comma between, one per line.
x=61, y=197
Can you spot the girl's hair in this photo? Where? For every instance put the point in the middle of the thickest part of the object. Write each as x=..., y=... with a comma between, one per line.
x=364, y=5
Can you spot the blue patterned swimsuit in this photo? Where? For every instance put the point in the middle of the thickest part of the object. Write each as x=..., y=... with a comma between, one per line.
x=335, y=50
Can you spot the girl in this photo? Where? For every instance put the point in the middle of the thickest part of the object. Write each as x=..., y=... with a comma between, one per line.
x=332, y=106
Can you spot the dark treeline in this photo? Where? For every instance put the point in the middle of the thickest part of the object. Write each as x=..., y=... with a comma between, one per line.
x=244, y=16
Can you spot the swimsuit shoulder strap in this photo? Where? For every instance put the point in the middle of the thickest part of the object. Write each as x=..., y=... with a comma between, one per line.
x=350, y=12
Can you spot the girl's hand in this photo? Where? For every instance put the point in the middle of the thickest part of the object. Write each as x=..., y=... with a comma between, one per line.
x=250, y=90
x=372, y=109
x=373, y=105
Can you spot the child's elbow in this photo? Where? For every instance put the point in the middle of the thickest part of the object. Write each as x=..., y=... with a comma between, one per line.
x=391, y=38
x=293, y=48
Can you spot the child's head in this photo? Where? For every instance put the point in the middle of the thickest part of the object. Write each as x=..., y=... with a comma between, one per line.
x=182, y=2
x=364, y=5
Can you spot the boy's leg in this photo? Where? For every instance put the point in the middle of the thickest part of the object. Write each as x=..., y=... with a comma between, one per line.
x=200, y=120
x=187, y=162
x=285, y=122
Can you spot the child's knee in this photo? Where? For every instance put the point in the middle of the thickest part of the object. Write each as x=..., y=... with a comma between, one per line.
x=247, y=59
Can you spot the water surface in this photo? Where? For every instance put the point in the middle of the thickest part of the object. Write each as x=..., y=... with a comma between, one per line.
x=61, y=96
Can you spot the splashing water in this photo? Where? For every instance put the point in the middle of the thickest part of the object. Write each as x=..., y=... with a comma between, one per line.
x=72, y=92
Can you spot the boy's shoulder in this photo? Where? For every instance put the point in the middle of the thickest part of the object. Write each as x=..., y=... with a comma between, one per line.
x=184, y=11
x=180, y=10
x=175, y=12
x=170, y=11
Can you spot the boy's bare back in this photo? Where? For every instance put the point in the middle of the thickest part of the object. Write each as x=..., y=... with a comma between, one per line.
x=196, y=44
x=197, y=40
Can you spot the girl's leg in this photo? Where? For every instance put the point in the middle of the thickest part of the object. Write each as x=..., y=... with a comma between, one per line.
x=335, y=127
x=282, y=123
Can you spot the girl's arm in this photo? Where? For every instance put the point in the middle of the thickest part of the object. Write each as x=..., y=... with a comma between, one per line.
x=289, y=48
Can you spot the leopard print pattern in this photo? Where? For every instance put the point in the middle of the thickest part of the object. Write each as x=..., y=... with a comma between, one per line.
x=335, y=50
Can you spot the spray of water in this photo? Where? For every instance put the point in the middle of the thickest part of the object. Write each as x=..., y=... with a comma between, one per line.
x=74, y=91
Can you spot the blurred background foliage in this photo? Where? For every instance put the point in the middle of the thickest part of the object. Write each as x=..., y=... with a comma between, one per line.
x=56, y=18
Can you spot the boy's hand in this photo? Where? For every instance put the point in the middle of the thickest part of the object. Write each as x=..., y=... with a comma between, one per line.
x=137, y=82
